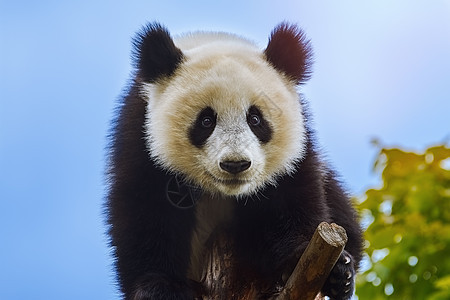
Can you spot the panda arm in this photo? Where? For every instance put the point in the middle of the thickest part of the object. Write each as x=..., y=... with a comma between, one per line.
x=150, y=238
x=340, y=283
x=343, y=214
x=152, y=251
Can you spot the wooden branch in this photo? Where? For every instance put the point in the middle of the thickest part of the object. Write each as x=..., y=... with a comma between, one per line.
x=305, y=282
x=316, y=263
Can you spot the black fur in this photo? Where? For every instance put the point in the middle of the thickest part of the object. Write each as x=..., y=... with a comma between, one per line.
x=150, y=236
x=262, y=130
x=200, y=131
x=155, y=54
x=290, y=52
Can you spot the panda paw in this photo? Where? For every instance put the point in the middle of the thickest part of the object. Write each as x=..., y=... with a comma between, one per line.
x=341, y=281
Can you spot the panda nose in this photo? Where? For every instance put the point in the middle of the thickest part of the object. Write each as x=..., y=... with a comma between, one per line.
x=235, y=167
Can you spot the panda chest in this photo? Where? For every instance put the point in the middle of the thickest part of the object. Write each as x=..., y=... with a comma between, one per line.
x=212, y=215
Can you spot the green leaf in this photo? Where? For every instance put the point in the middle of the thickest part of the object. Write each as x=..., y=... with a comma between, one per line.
x=408, y=219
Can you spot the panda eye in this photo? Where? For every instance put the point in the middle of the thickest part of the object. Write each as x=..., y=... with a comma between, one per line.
x=254, y=120
x=203, y=127
x=258, y=124
x=207, y=122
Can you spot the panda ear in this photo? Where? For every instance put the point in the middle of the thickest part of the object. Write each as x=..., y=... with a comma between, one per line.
x=290, y=52
x=155, y=55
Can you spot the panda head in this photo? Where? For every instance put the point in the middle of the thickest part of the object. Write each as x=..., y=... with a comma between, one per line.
x=221, y=113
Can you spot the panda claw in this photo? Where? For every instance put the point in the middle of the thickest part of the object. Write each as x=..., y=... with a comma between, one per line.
x=349, y=274
x=347, y=260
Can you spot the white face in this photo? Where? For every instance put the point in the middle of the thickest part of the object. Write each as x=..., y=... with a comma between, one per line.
x=226, y=120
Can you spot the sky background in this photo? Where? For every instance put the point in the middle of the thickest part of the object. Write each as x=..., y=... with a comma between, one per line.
x=382, y=70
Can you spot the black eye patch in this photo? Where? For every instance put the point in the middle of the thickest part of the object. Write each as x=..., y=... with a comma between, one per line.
x=259, y=125
x=203, y=127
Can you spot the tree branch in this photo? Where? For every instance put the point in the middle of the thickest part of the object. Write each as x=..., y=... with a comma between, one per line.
x=316, y=263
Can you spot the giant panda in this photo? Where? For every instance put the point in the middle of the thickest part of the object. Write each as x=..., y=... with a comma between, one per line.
x=212, y=138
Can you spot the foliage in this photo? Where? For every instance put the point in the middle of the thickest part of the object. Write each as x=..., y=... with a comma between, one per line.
x=408, y=227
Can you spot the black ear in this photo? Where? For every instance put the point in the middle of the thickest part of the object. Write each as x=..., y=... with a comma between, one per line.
x=290, y=52
x=155, y=55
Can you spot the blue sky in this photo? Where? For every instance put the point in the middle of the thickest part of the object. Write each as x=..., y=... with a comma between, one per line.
x=382, y=71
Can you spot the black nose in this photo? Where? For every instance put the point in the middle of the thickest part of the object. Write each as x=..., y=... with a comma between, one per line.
x=235, y=167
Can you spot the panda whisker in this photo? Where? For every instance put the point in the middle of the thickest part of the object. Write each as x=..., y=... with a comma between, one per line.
x=260, y=193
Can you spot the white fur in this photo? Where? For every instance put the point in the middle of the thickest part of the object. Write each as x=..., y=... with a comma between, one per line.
x=228, y=74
